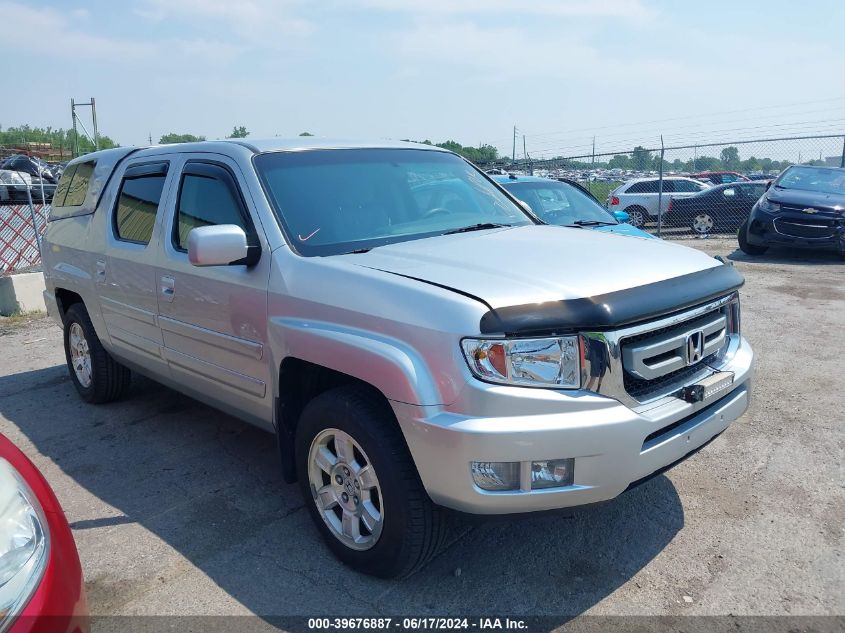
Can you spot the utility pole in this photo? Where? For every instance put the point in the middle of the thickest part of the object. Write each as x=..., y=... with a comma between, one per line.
x=660, y=191
x=525, y=154
x=151, y=138
x=74, y=150
x=592, y=165
x=513, y=157
x=95, y=140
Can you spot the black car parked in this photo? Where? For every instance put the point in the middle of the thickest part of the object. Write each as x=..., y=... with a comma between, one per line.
x=29, y=165
x=804, y=207
x=719, y=207
x=23, y=177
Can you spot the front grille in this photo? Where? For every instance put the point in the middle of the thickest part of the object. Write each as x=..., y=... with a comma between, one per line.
x=639, y=388
x=655, y=362
x=810, y=227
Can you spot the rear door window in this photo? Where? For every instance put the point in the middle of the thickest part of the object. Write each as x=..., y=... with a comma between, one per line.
x=646, y=186
x=138, y=201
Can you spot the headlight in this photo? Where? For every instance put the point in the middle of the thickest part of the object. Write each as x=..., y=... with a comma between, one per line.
x=23, y=543
x=535, y=362
x=767, y=205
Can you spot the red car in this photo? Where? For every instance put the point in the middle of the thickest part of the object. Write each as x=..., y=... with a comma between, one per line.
x=719, y=177
x=41, y=586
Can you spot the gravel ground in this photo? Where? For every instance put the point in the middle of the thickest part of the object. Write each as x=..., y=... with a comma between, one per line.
x=179, y=509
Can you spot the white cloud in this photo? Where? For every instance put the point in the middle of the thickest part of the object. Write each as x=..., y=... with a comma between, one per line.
x=480, y=51
x=57, y=35
x=60, y=33
x=262, y=21
x=630, y=9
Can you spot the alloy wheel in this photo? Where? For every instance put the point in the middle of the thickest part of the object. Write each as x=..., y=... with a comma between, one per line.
x=80, y=355
x=346, y=489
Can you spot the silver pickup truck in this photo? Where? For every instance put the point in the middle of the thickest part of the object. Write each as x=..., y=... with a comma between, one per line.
x=413, y=337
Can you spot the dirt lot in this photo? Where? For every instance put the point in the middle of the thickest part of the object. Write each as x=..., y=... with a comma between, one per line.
x=179, y=509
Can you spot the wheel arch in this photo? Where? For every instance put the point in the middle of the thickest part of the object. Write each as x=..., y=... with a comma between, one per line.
x=300, y=381
x=66, y=298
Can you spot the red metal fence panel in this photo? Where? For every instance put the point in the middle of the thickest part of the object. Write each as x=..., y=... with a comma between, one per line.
x=18, y=241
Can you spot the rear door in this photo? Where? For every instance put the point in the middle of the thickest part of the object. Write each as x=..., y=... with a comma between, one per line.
x=126, y=273
x=214, y=319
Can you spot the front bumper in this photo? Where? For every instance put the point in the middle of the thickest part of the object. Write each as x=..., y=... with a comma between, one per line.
x=763, y=231
x=613, y=445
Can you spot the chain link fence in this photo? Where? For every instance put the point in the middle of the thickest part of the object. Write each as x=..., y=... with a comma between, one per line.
x=675, y=192
x=689, y=190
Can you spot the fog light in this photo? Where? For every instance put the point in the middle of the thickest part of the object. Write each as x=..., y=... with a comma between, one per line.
x=553, y=473
x=496, y=475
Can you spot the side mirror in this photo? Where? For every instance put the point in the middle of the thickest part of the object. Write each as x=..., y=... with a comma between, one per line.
x=218, y=245
x=768, y=184
x=621, y=216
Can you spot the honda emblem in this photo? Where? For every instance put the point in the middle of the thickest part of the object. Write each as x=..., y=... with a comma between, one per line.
x=695, y=347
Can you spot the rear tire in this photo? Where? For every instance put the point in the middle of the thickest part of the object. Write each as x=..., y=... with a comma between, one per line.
x=637, y=217
x=744, y=246
x=96, y=375
x=402, y=529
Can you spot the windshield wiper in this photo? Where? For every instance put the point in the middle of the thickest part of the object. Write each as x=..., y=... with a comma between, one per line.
x=593, y=223
x=477, y=227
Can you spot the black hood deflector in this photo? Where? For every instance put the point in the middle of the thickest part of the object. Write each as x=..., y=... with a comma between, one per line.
x=614, y=309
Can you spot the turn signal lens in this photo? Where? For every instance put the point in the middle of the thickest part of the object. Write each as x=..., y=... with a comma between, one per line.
x=553, y=473
x=496, y=475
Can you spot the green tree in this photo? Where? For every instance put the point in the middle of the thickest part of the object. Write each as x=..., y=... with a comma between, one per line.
x=730, y=157
x=641, y=158
x=481, y=154
x=49, y=142
x=707, y=163
x=239, y=131
x=172, y=137
x=620, y=161
x=305, y=134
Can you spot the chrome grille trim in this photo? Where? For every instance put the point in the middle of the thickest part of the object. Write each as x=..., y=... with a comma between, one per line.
x=656, y=356
x=603, y=371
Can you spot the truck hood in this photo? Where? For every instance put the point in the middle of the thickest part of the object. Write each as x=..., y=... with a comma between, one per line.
x=534, y=264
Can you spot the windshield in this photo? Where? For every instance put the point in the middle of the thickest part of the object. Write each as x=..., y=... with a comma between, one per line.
x=342, y=200
x=813, y=179
x=559, y=203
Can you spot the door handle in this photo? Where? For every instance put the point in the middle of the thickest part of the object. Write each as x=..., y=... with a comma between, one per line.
x=167, y=288
x=101, y=271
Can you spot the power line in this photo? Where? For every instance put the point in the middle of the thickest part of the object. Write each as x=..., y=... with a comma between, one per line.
x=690, y=116
x=673, y=131
x=745, y=133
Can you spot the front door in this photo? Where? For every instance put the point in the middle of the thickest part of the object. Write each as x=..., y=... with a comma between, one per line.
x=126, y=272
x=214, y=319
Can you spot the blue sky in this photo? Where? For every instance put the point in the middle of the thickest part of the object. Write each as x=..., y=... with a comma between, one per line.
x=468, y=70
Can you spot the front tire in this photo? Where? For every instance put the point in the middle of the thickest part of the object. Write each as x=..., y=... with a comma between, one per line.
x=98, y=378
x=361, y=487
x=744, y=246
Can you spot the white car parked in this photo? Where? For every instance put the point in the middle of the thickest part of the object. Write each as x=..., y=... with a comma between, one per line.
x=638, y=197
